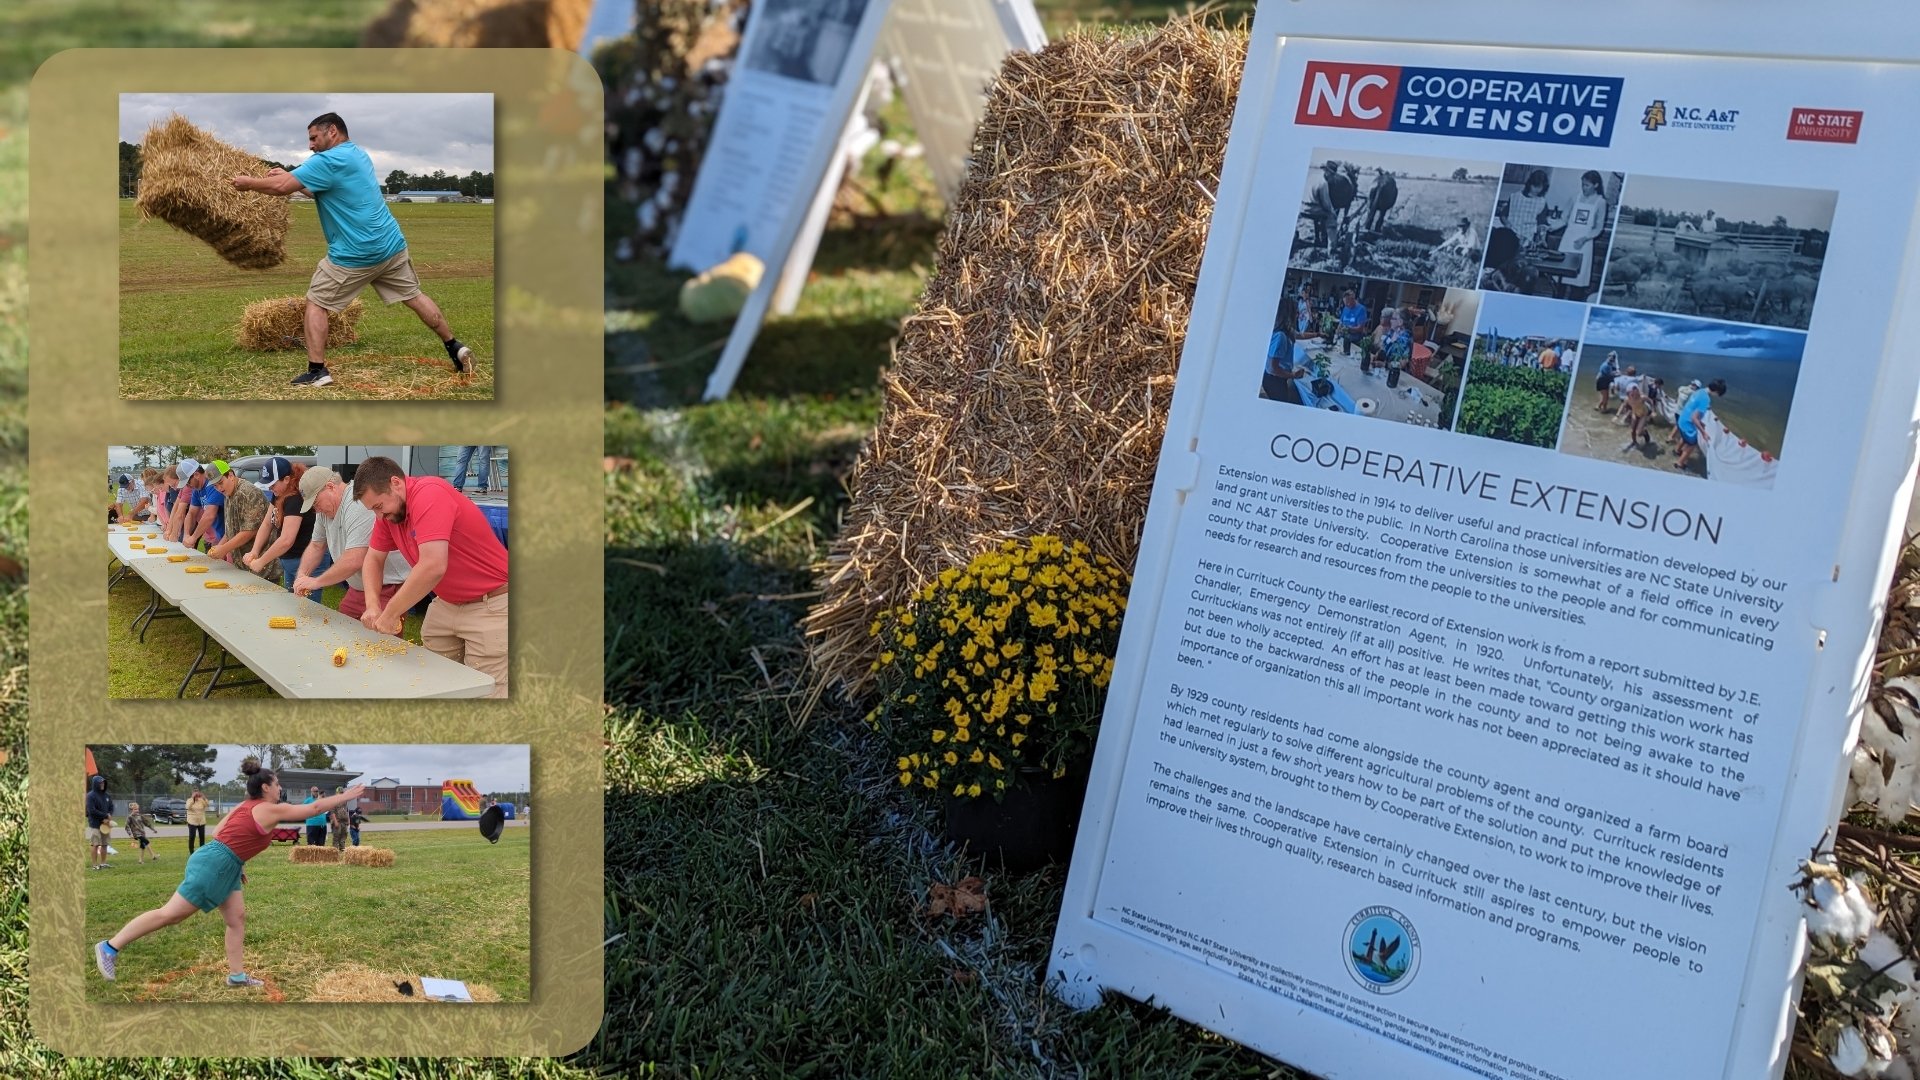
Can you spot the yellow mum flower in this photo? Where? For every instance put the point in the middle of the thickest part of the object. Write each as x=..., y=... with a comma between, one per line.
x=995, y=761
x=973, y=790
x=906, y=778
x=1019, y=737
x=952, y=758
x=939, y=735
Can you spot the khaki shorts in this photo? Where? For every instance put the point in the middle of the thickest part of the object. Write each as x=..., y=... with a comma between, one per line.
x=334, y=286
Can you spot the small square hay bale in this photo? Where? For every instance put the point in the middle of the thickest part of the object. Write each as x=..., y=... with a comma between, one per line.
x=1029, y=389
x=314, y=855
x=369, y=856
x=281, y=323
x=184, y=175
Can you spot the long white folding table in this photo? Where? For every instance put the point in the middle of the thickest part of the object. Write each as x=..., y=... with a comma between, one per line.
x=298, y=663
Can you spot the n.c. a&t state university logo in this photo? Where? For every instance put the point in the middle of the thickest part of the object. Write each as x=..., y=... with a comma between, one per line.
x=1655, y=117
x=1383, y=951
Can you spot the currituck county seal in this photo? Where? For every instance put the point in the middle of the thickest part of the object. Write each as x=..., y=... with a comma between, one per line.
x=1382, y=950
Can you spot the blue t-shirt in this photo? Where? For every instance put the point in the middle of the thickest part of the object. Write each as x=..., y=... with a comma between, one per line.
x=208, y=495
x=1701, y=401
x=360, y=229
x=1353, y=317
x=317, y=819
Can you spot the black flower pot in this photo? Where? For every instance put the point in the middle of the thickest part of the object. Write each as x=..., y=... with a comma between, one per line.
x=1032, y=826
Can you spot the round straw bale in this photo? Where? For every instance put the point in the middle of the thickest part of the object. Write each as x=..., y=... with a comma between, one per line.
x=1028, y=392
x=281, y=323
x=184, y=174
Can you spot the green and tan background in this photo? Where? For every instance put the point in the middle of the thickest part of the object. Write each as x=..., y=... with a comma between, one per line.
x=548, y=132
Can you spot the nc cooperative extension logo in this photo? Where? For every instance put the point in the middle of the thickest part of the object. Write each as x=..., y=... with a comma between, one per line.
x=1574, y=110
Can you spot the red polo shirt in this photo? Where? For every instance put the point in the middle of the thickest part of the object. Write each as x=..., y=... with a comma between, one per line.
x=476, y=560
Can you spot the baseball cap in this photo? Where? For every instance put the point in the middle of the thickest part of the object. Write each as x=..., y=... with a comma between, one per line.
x=277, y=469
x=310, y=484
x=220, y=468
x=186, y=468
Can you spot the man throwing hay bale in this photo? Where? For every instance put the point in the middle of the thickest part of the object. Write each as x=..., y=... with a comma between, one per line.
x=364, y=243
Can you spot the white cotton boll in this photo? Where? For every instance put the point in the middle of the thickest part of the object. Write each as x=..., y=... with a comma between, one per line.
x=1849, y=1053
x=1898, y=1069
x=1835, y=920
x=648, y=216
x=632, y=95
x=890, y=147
x=668, y=83
x=669, y=182
x=654, y=140
x=623, y=250
x=663, y=200
x=630, y=163
x=1866, y=917
x=912, y=150
x=1865, y=782
x=1882, y=953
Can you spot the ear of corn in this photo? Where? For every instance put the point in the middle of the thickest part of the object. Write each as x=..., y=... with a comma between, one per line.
x=282, y=622
x=339, y=658
x=196, y=569
x=216, y=585
x=178, y=558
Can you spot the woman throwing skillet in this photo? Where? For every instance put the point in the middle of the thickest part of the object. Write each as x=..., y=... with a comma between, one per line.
x=216, y=872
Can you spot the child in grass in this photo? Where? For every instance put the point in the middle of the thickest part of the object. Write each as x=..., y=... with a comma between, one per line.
x=215, y=873
x=138, y=826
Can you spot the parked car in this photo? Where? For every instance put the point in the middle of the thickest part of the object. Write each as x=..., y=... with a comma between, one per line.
x=168, y=811
x=253, y=467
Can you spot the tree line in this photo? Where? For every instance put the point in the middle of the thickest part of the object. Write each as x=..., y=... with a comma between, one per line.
x=475, y=184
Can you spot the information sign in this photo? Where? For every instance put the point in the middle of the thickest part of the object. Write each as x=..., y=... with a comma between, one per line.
x=1507, y=591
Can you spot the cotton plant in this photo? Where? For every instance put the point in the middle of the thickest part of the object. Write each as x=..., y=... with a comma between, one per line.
x=1860, y=981
x=1884, y=771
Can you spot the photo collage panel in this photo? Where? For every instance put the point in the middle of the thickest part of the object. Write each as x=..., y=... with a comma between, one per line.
x=1655, y=322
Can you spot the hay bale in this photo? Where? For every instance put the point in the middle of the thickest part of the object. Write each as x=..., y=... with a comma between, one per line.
x=309, y=855
x=357, y=982
x=184, y=175
x=368, y=856
x=1029, y=389
x=479, y=24
x=281, y=323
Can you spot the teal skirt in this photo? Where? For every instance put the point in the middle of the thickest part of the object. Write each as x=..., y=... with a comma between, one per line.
x=213, y=874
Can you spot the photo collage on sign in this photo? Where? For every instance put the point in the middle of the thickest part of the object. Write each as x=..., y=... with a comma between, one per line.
x=1652, y=321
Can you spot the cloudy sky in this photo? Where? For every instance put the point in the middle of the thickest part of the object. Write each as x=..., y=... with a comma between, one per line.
x=1516, y=315
x=491, y=767
x=1677, y=333
x=412, y=132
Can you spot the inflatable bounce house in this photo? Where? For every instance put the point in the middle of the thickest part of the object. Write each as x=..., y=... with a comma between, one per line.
x=459, y=801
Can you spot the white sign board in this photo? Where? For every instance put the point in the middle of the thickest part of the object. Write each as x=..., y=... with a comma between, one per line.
x=945, y=55
x=801, y=64
x=1477, y=728
x=786, y=130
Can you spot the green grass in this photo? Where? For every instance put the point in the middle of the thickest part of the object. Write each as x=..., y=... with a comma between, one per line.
x=452, y=906
x=153, y=668
x=180, y=305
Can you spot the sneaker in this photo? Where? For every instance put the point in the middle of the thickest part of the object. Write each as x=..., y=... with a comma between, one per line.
x=244, y=982
x=104, y=957
x=314, y=378
x=461, y=356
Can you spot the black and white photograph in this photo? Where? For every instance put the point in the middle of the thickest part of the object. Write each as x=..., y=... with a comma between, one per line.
x=1746, y=252
x=1384, y=349
x=1550, y=232
x=1395, y=217
x=804, y=39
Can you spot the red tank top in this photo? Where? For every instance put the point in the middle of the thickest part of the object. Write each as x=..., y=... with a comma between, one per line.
x=241, y=833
